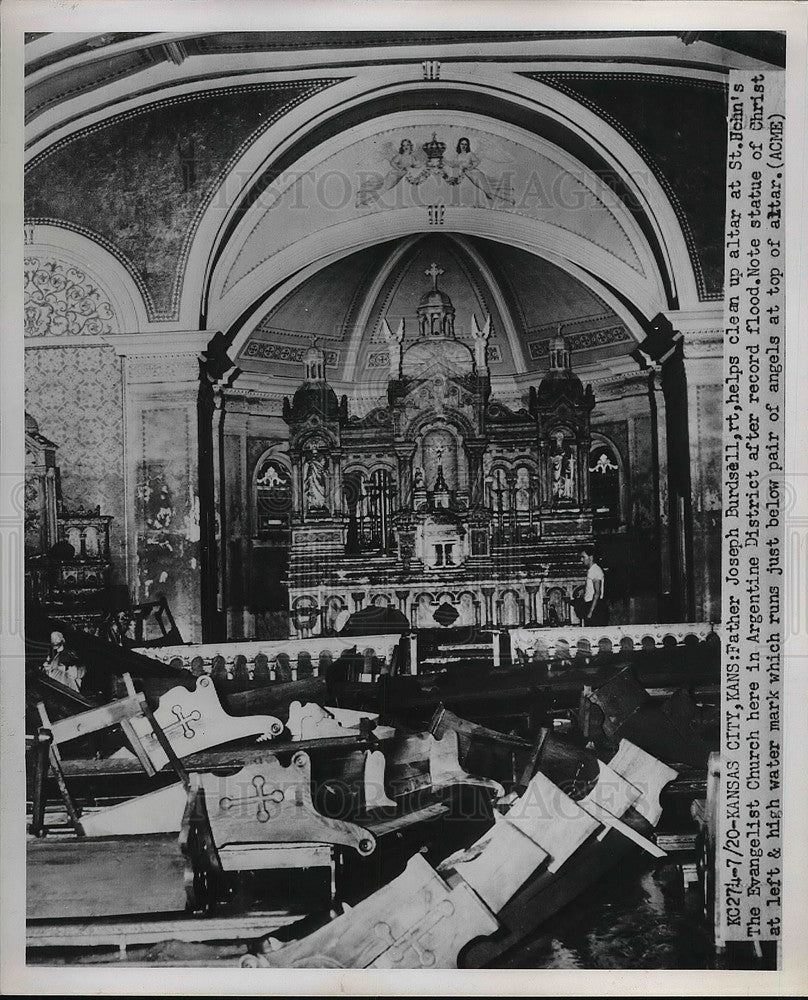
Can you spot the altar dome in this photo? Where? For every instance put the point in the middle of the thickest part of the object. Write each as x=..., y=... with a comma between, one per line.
x=436, y=311
x=560, y=381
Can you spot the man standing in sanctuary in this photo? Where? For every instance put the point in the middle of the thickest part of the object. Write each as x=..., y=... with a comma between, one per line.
x=592, y=608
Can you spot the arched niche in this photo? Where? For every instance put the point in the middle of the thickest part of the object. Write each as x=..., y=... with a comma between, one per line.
x=271, y=491
x=607, y=482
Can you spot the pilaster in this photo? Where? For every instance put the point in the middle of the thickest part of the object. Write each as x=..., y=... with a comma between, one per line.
x=161, y=443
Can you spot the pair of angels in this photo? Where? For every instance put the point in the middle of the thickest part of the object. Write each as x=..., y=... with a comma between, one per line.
x=409, y=164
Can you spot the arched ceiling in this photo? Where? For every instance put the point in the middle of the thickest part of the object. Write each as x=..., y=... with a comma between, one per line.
x=153, y=145
x=343, y=305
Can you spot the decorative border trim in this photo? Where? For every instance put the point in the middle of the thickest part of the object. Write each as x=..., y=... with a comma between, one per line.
x=265, y=350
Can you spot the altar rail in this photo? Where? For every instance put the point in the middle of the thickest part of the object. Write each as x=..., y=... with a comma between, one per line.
x=572, y=642
x=283, y=659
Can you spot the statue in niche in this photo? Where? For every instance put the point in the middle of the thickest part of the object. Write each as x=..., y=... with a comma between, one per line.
x=314, y=477
x=562, y=466
x=418, y=478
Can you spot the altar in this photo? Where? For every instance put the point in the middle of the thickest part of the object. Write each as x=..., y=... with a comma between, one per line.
x=444, y=503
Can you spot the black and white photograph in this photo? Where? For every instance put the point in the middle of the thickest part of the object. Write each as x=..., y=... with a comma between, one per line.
x=403, y=501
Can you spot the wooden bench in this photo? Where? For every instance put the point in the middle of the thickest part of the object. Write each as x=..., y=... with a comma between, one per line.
x=260, y=818
x=92, y=877
x=122, y=712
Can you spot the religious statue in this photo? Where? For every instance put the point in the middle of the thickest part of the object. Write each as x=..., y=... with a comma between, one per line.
x=562, y=465
x=480, y=337
x=394, y=342
x=314, y=477
x=418, y=478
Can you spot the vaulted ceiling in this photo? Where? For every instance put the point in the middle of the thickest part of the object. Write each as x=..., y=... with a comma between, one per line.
x=183, y=155
x=343, y=305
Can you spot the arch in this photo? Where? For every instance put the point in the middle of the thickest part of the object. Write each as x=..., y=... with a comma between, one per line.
x=334, y=604
x=368, y=496
x=556, y=606
x=388, y=267
x=456, y=422
x=367, y=464
x=543, y=109
x=511, y=604
x=123, y=288
x=245, y=323
x=271, y=501
x=497, y=483
x=270, y=282
x=313, y=155
x=563, y=115
x=602, y=441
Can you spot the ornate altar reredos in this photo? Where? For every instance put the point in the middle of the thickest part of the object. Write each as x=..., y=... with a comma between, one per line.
x=445, y=503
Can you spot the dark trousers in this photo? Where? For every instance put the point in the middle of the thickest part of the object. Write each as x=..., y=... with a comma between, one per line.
x=600, y=615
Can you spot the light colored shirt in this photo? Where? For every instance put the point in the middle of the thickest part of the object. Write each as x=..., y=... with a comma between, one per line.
x=593, y=573
x=70, y=675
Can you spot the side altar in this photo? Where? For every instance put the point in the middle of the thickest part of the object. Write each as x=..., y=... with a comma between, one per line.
x=444, y=504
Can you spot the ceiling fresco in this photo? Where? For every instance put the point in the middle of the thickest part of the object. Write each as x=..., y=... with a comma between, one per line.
x=678, y=125
x=146, y=178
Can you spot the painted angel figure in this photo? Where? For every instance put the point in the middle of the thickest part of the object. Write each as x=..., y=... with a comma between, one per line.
x=405, y=163
x=467, y=164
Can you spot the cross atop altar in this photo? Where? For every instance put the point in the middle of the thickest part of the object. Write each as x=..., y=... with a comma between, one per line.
x=434, y=272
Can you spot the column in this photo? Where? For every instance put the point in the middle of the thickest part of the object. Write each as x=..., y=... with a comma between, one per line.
x=488, y=593
x=476, y=451
x=234, y=490
x=404, y=455
x=165, y=450
x=413, y=637
x=704, y=376
x=532, y=589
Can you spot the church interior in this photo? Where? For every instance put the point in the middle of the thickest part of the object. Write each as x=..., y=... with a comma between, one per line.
x=316, y=327
x=373, y=408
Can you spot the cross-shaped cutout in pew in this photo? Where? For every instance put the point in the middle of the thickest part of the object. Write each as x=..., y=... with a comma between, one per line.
x=184, y=721
x=261, y=798
x=125, y=712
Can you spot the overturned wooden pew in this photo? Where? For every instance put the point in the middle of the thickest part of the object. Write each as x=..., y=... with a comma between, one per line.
x=484, y=899
x=416, y=922
x=621, y=708
x=605, y=845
